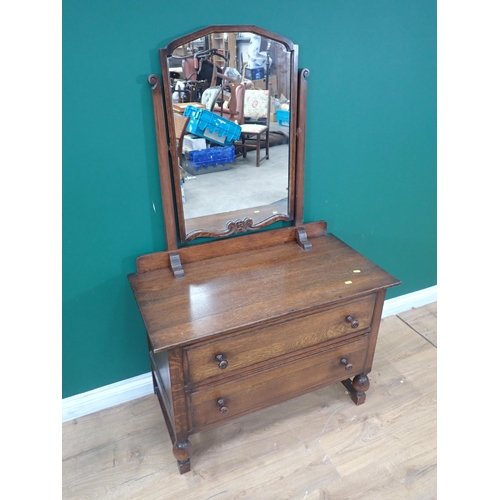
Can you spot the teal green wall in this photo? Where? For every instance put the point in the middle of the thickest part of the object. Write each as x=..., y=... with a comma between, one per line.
x=370, y=156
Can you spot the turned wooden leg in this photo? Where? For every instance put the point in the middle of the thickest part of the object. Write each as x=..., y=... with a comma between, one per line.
x=357, y=388
x=244, y=146
x=182, y=452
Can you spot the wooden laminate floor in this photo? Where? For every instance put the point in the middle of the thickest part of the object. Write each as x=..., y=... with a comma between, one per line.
x=317, y=446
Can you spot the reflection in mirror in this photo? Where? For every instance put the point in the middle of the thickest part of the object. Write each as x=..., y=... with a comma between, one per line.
x=230, y=98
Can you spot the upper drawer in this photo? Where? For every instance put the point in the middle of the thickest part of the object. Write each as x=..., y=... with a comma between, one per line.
x=233, y=353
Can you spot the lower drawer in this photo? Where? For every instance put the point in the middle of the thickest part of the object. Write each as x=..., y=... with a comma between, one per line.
x=271, y=386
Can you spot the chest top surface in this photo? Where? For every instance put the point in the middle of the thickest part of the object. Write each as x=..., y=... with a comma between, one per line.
x=234, y=292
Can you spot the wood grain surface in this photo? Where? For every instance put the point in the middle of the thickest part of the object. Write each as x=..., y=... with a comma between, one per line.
x=283, y=338
x=226, y=294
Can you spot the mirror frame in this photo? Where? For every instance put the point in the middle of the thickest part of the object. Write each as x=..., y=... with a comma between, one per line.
x=169, y=171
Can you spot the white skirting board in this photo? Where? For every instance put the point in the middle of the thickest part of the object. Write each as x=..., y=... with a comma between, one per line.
x=106, y=397
x=409, y=301
x=142, y=385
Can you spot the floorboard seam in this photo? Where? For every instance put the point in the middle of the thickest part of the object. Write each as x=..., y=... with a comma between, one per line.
x=416, y=331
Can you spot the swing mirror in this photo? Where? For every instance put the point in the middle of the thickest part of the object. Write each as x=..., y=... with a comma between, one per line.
x=230, y=95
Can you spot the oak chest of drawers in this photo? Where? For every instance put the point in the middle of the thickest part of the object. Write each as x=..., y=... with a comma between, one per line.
x=246, y=330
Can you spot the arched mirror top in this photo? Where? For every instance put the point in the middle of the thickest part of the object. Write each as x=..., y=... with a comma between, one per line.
x=230, y=98
x=229, y=28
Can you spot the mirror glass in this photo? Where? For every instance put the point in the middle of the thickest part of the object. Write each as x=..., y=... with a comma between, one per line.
x=229, y=104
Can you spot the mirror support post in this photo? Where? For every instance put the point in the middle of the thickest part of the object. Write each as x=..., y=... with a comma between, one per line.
x=162, y=147
x=300, y=138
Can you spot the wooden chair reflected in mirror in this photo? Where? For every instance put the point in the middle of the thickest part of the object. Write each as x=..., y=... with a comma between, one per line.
x=181, y=123
x=233, y=108
x=257, y=121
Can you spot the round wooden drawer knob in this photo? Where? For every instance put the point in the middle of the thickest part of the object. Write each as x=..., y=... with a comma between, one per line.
x=354, y=322
x=223, y=407
x=222, y=362
x=348, y=366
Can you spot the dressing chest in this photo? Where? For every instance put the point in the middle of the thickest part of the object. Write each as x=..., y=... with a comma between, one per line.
x=241, y=323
